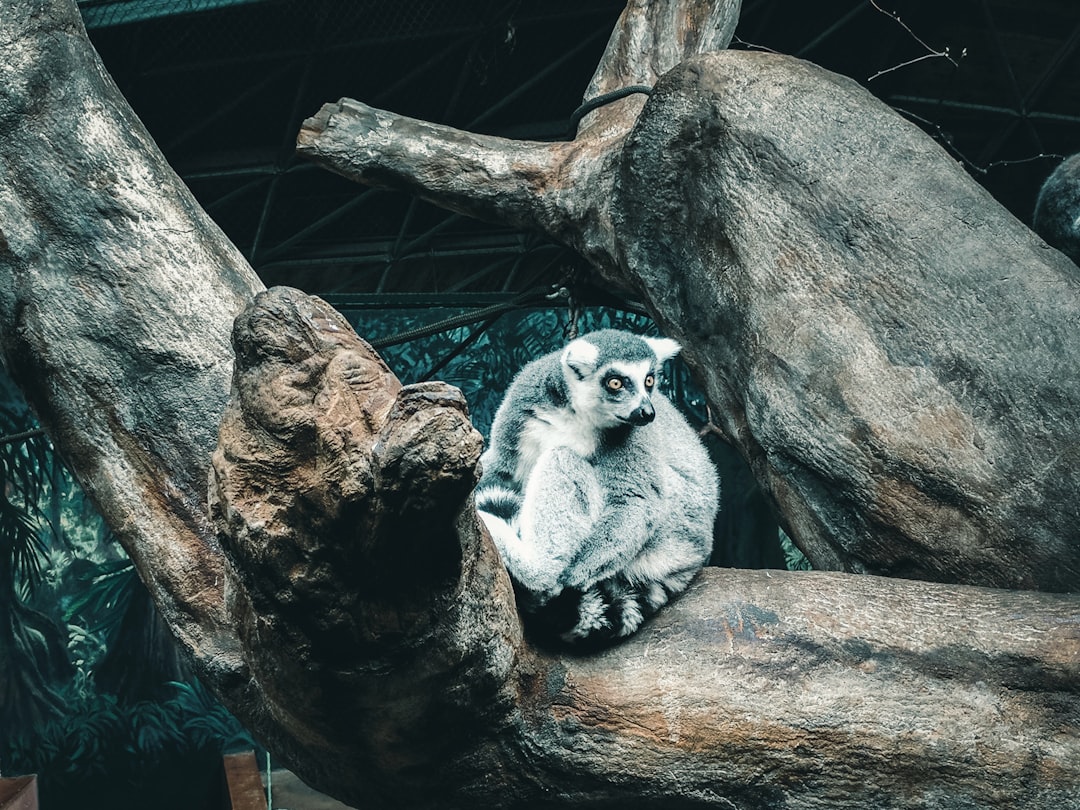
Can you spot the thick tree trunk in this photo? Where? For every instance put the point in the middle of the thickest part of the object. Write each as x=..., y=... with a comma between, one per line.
x=117, y=295
x=345, y=602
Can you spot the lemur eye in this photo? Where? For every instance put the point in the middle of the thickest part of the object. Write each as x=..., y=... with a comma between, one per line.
x=650, y=381
x=614, y=384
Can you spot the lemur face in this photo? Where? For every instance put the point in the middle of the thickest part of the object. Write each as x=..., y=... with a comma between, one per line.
x=611, y=376
x=627, y=391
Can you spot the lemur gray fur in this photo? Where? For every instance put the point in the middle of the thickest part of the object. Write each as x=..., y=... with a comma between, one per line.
x=598, y=494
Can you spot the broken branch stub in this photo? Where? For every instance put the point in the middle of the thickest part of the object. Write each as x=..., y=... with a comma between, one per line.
x=343, y=502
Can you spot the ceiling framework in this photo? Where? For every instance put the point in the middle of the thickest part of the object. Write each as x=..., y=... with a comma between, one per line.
x=223, y=90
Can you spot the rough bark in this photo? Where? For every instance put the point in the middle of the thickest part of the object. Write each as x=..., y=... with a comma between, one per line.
x=370, y=607
x=890, y=349
x=352, y=612
x=116, y=299
x=380, y=622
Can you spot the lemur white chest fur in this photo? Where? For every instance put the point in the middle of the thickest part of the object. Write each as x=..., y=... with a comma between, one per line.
x=598, y=518
x=548, y=429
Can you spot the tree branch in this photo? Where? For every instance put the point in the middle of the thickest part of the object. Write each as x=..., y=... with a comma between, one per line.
x=887, y=345
x=346, y=605
x=343, y=502
x=849, y=297
x=96, y=233
x=530, y=185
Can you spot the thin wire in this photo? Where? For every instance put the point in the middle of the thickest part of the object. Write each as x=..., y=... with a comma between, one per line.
x=21, y=437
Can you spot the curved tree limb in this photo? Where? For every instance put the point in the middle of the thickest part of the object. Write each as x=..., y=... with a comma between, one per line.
x=116, y=296
x=392, y=683
x=890, y=349
x=380, y=617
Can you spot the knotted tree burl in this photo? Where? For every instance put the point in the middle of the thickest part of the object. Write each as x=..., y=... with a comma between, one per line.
x=893, y=353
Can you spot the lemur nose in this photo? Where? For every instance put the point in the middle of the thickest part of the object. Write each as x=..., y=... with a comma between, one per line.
x=644, y=414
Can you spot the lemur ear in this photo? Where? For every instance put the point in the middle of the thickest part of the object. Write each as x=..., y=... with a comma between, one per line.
x=580, y=356
x=663, y=348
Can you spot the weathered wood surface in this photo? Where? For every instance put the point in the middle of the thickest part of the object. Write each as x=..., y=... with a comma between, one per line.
x=890, y=349
x=352, y=613
x=243, y=787
x=117, y=293
x=19, y=793
x=381, y=622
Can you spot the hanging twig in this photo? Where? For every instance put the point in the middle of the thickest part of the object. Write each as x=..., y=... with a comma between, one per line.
x=710, y=427
x=943, y=137
x=931, y=53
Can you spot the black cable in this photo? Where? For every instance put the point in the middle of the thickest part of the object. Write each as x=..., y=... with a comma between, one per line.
x=605, y=98
x=21, y=437
x=471, y=339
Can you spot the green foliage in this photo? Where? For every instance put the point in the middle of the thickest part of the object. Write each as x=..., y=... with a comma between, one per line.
x=496, y=351
x=104, y=753
x=101, y=735
x=206, y=723
x=57, y=556
x=20, y=541
x=102, y=596
x=795, y=559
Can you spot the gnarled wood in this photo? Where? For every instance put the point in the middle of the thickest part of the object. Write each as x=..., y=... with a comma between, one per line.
x=346, y=605
x=379, y=623
x=361, y=574
x=890, y=349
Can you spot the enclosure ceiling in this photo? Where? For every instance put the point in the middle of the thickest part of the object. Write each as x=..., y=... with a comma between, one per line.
x=223, y=85
x=105, y=13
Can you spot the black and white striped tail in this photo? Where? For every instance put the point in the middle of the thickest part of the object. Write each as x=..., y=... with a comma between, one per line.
x=500, y=502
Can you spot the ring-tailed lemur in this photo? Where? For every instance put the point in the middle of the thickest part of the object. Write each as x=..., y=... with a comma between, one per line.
x=598, y=494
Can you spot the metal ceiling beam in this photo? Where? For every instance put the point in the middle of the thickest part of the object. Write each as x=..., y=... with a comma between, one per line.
x=353, y=301
x=489, y=269
x=377, y=253
x=992, y=109
x=1035, y=92
x=107, y=13
x=540, y=76
x=236, y=193
x=286, y=153
x=860, y=6
x=361, y=198
x=459, y=33
x=421, y=68
x=235, y=102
